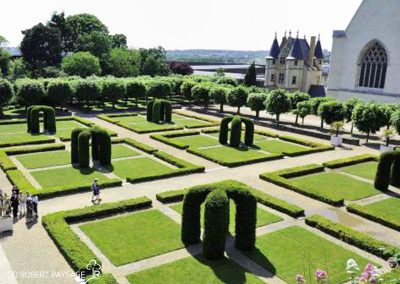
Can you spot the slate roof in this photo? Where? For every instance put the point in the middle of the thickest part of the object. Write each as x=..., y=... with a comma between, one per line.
x=317, y=91
x=275, y=50
x=299, y=49
x=318, y=51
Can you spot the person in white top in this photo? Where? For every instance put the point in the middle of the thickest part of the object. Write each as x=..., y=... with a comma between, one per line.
x=22, y=203
x=35, y=203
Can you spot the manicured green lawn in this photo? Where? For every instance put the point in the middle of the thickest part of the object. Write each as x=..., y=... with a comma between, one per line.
x=295, y=250
x=195, y=270
x=134, y=237
x=45, y=159
x=365, y=170
x=13, y=128
x=279, y=147
x=122, y=151
x=263, y=217
x=67, y=177
x=197, y=141
x=335, y=185
x=139, y=168
x=64, y=128
x=386, y=209
x=257, y=137
x=21, y=138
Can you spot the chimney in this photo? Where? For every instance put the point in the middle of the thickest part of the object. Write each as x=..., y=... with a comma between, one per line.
x=312, y=50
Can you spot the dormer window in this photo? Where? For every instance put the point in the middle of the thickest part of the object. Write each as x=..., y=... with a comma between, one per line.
x=296, y=63
x=282, y=60
x=273, y=62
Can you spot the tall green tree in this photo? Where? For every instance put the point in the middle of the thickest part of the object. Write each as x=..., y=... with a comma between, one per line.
x=250, y=79
x=122, y=62
x=119, y=41
x=97, y=43
x=367, y=118
x=82, y=64
x=255, y=102
x=278, y=102
x=153, y=61
x=6, y=93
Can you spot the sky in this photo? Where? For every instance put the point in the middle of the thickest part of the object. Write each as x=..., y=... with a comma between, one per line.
x=188, y=24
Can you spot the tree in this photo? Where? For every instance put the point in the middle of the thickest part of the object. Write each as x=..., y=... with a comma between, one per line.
x=82, y=64
x=158, y=89
x=113, y=90
x=119, y=41
x=135, y=89
x=5, y=62
x=315, y=102
x=296, y=98
x=186, y=90
x=97, y=43
x=331, y=112
x=387, y=111
x=367, y=118
x=227, y=81
x=41, y=47
x=79, y=25
x=302, y=110
x=181, y=68
x=237, y=97
x=30, y=92
x=395, y=120
x=153, y=62
x=18, y=69
x=218, y=94
x=122, y=63
x=278, y=102
x=59, y=91
x=6, y=93
x=201, y=93
x=255, y=101
x=87, y=90
x=250, y=79
x=349, y=106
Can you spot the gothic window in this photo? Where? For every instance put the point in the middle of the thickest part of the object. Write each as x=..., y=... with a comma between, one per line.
x=272, y=77
x=281, y=79
x=373, y=66
x=294, y=80
x=282, y=61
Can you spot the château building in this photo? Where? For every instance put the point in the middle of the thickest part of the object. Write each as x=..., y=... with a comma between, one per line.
x=294, y=64
x=365, y=59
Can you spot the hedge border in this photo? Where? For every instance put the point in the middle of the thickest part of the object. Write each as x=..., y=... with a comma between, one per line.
x=74, y=250
x=166, y=138
x=262, y=198
x=281, y=178
x=340, y=163
x=351, y=236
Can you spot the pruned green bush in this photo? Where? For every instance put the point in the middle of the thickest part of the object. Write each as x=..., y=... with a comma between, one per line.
x=59, y=92
x=218, y=94
x=113, y=90
x=29, y=92
x=149, y=111
x=395, y=171
x=339, y=163
x=6, y=93
x=158, y=111
x=255, y=101
x=135, y=89
x=237, y=97
x=249, y=133
x=49, y=119
x=224, y=129
x=201, y=93
x=278, y=102
x=87, y=90
x=382, y=177
x=186, y=90
x=83, y=148
x=158, y=89
x=216, y=224
x=236, y=131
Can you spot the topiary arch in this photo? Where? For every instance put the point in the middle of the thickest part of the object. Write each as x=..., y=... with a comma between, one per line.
x=382, y=177
x=216, y=221
x=101, y=146
x=236, y=131
x=33, y=119
x=395, y=171
x=159, y=111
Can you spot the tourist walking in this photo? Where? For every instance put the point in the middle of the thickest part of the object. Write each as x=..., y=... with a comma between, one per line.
x=29, y=208
x=96, y=192
x=22, y=203
x=35, y=205
x=14, y=204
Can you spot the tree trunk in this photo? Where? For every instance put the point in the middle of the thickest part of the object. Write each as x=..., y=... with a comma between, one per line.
x=257, y=114
x=190, y=104
x=367, y=136
x=352, y=128
x=322, y=123
x=387, y=141
x=277, y=119
x=297, y=119
x=136, y=101
x=221, y=108
x=238, y=111
x=302, y=121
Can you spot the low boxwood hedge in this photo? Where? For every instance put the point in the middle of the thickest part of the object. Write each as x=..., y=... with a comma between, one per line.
x=282, y=178
x=143, y=147
x=33, y=149
x=203, y=118
x=32, y=142
x=263, y=198
x=166, y=138
x=340, y=163
x=5, y=162
x=75, y=251
x=315, y=147
x=351, y=236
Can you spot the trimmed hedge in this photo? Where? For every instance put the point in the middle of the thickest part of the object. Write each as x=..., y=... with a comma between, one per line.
x=75, y=144
x=33, y=114
x=263, y=198
x=143, y=147
x=83, y=148
x=382, y=177
x=249, y=133
x=166, y=138
x=315, y=147
x=364, y=212
x=282, y=178
x=351, y=236
x=216, y=224
x=223, y=130
x=75, y=251
x=395, y=171
x=340, y=163
x=5, y=162
x=236, y=131
x=149, y=112
x=158, y=111
x=32, y=142
x=203, y=118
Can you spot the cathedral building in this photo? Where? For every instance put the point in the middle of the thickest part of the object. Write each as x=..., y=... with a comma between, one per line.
x=365, y=59
x=294, y=64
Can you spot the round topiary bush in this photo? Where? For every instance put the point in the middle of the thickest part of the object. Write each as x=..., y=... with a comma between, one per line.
x=382, y=177
x=395, y=171
x=33, y=119
x=113, y=90
x=236, y=131
x=135, y=89
x=216, y=224
x=87, y=90
x=30, y=92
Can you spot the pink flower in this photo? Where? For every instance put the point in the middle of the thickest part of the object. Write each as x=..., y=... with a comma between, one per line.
x=300, y=279
x=365, y=276
x=369, y=267
x=321, y=275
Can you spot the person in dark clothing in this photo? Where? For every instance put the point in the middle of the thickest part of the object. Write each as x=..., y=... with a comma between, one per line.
x=14, y=204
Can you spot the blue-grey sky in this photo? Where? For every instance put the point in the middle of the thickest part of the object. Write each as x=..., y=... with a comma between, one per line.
x=188, y=24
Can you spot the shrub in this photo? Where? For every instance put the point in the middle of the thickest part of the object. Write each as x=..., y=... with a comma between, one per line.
x=181, y=68
x=82, y=64
x=186, y=90
x=49, y=120
x=278, y=102
x=218, y=94
x=250, y=79
x=168, y=111
x=395, y=171
x=6, y=93
x=339, y=163
x=158, y=111
x=135, y=89
x=382, y=177
x=236, y=131
x=158, y=89
x=330, y=112
x=315, y=102
x=224, y=129
x=395, y=120
x=249, y=134
x=216, y=224
x=237, y=97
x=83, y=148
x=201, y=93
x=149, y=111
x=302, y=110
x=298, y=97
x=349, y=107
x=255, y=101
x=30, y=92
x=59, y=92
x=227, y=81
x=367, y=118
x=87, y=90
x=113, y=90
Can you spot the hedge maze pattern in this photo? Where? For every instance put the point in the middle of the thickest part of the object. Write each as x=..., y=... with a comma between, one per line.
x=33, y=119
x=236, y=131
x=159, y=111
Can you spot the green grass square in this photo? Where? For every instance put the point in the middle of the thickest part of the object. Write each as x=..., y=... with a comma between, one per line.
x=22, y=137
x=65, y=127
x=197, y=141
x=335, y=185
x=68, y=176
x=385, y=209
x=45, y=159
x=295, y=250
x=123, y=151
x=134, y=237
x=140, y=168
x=263, y=217
x=365, y=170
x=195, y=270
x=227, y=154
x=13, y=128
x=279, y=147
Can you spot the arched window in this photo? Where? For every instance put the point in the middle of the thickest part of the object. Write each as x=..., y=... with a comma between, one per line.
x=373, y=66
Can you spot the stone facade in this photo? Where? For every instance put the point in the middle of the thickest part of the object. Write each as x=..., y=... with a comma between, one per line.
x=294, y=64
x=365, y=59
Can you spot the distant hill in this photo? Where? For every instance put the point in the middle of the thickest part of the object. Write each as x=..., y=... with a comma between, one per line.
x=218, y=56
